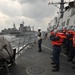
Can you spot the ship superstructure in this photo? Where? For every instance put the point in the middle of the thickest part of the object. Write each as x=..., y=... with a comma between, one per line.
x=67, y=18
x=69, y=15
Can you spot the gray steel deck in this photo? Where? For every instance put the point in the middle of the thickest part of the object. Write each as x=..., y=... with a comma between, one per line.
x=33, y=59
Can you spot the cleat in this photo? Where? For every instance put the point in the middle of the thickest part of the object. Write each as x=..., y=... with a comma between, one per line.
x=55, y=70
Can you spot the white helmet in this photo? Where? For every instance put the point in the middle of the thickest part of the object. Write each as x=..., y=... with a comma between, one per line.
x=68, y=28
x=64, y=27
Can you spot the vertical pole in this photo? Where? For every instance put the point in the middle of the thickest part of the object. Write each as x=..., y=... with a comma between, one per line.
x=61, y=8
x=24, y=40
x=19, y=44
x=74, y=2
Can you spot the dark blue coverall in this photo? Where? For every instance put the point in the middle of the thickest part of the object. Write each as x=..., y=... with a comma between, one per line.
x=56, y=51
x=70, y=46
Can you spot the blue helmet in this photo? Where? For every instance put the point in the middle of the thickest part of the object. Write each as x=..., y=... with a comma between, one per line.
x=65, y=27
x=68, y=28
x=59, y=28
x=72, y=28
x=51, y=29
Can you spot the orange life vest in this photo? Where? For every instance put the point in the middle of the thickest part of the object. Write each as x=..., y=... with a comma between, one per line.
x=51, y=33
x=64, y=30
x=59, y=42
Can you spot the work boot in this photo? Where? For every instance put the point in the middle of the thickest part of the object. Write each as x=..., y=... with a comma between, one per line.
x=52, y=63
x=66, y=53
x=56, y=68
x=52, y=58
x=73, y=67
x=73, y=62
x=70, y=60
x=40, y=50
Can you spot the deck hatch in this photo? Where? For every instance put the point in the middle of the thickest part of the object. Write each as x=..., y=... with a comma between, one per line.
x=35, y=70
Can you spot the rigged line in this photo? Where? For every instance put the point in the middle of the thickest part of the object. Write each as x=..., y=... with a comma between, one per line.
x=52, y=50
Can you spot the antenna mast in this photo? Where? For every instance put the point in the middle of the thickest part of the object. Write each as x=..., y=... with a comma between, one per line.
x=61, y=6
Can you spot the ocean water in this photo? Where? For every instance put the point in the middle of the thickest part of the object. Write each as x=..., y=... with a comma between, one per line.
x=15, y=42
x=20, y=41
x=9, y=37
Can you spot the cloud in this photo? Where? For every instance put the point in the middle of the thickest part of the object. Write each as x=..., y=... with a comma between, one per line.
x=27, y=1
x=37, y=9
x=13, y=0
x=10, y=8
x=34, y=12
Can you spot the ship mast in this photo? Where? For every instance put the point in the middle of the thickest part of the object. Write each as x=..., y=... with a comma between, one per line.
x=61, y=6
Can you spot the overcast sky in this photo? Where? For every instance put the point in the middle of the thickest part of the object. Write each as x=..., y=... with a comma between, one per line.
x=35, y=13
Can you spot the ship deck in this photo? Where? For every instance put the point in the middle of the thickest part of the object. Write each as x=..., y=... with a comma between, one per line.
x=32, y=62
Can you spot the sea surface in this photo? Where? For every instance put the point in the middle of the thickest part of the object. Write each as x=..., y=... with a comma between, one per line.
x=20, y=41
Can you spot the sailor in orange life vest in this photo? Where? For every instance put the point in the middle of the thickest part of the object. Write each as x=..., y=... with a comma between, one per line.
x=69, y=36
x=64, y=42
x=51, y=35
x=73, y=46
x=72, y=49
x=64, y=45
x=67, y=41
x=57, y=42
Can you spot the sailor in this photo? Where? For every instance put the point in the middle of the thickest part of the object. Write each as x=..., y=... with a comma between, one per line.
x=67, y=40
x=64, y=45
x=73, y=53
x=70, y=44
x=51, y=35
x=39, y=40
x=58, y=39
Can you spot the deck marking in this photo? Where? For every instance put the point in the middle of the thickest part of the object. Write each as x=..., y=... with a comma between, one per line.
x=52, y=50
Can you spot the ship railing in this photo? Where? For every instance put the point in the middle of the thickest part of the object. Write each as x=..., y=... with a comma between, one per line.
x=22, y=43
x=32, y=40
x=18, y=44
